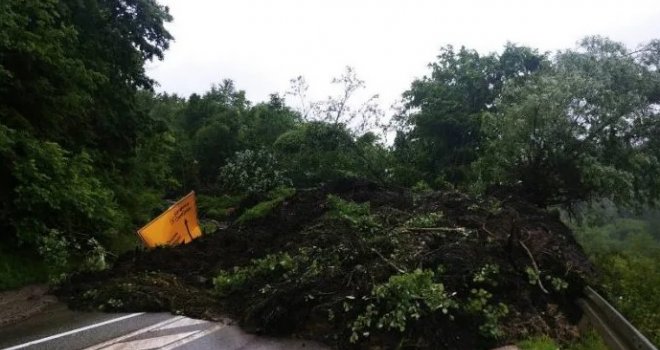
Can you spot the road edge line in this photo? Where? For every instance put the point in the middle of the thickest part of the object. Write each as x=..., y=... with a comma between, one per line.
x=193, y=337
x=73, y=331
x=120, y=338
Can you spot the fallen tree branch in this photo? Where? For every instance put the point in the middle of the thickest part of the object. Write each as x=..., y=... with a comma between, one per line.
x=483, y=227
x=535, y=266
x=398, y=269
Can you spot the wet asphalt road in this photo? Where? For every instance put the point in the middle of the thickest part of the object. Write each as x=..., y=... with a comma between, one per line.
x=59, y=328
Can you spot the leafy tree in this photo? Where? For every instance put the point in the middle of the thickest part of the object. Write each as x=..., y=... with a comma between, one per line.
x=76, y=146
x=442, y=112
x=55, y=193
x=314, y=152
x=70, y=68
x=318, y=152
x=580, y=130
x=212, y=125
x=265, y=122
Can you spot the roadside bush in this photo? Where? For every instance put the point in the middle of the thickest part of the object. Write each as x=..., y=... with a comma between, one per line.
x=58, y=204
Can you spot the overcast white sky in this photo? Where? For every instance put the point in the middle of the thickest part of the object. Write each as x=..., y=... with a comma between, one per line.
x=261, y=44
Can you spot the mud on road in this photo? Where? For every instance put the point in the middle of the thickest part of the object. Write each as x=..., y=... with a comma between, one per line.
x=522, y=257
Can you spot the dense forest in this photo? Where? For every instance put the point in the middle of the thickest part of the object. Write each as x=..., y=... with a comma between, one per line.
x=89, y=152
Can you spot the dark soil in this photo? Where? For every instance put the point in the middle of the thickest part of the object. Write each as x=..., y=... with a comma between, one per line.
x=509, y=233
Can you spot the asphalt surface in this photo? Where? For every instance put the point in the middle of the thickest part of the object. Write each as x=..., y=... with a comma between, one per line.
x=56, y=327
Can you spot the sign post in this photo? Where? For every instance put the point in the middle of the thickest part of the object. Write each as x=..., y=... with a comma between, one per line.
x=176, y=225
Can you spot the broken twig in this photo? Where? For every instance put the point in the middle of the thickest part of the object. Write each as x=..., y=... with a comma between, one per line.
x=535, y=266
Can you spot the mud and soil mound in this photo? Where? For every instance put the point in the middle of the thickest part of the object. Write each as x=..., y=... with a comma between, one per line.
x=357, y=265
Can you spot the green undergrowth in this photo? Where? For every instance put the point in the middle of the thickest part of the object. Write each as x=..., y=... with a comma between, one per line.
x=218, y=207
x=404, y=297
x=357, y=215
x=627, y=251
x=262, y=209
x=19, y=269
x=272, y=266
x=588, y=341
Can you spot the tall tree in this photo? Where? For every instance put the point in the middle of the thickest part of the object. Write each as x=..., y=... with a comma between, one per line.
x=583, y=129
x=443, y=111
x=71, y=127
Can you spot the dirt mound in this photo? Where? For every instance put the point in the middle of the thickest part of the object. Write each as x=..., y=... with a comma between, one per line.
x=354, y=264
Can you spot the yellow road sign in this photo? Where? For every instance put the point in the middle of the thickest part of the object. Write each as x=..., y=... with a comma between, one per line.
x=176, y=225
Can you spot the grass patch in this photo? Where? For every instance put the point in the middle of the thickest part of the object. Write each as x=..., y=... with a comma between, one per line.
x=588, y=341
x=218, y=207
x=261, y=210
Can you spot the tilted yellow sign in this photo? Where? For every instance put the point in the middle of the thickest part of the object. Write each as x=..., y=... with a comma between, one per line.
x=176, y=225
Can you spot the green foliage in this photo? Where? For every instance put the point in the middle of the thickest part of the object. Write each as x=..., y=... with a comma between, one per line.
x=317, y=152
x=272, y=266
x=630, y=279
x=357, y=215
x=18, y=268
x=538, y=343
x=218, y=127
x=78, y=157
x=58, y=204
x=425, y=220
x=628, y=254
x=421, y=187
x=218, y=207
x=281, y=192
x=579, y=130
x=487, y=274
x=557, y=283
x=60, y=61
x=263, y=209
x=259, y=211
x=479, y=303
x=561, y=130
x=588, y=341
x=443, y=110
x=252, y=172
x=265, y=122
x=88, y=152
x=320, y=150
x=403, y=298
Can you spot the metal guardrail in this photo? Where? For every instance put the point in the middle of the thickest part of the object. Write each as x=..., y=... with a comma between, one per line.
x=615, y=330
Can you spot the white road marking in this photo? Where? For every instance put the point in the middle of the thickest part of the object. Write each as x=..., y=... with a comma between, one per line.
x=39, y=341
x=193, y=337
x=132, y=334
x=167, y=341
x=149, y=343
x=184, y=322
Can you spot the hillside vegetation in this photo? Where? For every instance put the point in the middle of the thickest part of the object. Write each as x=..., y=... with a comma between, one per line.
x=89, y=152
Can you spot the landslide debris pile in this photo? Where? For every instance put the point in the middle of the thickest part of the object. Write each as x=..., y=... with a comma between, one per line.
x=357, y=265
